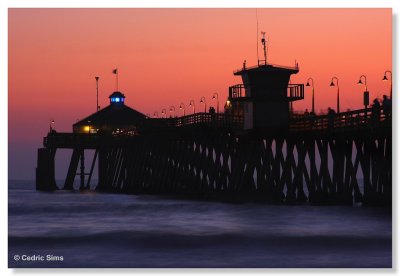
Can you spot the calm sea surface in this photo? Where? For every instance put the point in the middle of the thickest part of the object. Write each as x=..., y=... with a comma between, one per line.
x=109, y=230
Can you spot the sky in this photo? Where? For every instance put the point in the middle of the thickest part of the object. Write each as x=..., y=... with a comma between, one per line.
x=170, y=56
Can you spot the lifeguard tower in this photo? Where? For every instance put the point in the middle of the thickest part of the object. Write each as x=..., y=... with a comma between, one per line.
x=263, y=100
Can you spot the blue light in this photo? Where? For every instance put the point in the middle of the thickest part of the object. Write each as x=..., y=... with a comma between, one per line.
x=116, y=99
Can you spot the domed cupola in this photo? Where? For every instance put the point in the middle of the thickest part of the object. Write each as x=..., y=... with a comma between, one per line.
x=117, y=99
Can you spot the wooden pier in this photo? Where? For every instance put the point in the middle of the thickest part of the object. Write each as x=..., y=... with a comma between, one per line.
x=257, y=149
x=204, y=155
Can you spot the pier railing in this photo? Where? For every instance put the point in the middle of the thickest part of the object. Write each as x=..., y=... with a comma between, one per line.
x=94, y=140
x=356, y=119
x=295, y=92
x=218, y=120
x=360, y=118
x=240, y=91
x=294, y=68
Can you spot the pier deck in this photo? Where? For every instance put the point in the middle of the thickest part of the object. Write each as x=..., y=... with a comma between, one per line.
x=317, y=159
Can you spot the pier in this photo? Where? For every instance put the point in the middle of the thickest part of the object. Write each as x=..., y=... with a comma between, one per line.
x=255, y=150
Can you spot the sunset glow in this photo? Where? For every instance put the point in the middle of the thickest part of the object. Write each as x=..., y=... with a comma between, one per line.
x=166, y=57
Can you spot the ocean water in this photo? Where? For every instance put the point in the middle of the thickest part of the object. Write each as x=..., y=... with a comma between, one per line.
x=89, y=229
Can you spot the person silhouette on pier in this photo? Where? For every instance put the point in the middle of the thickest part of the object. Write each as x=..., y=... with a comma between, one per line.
x=211, y=110
x=331, y=117
x=306, y=116
x=376, y=111
x=387, y=107
x=312, y=119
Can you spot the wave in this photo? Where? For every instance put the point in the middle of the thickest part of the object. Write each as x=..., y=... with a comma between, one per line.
x=173, y=240
x=27, y=208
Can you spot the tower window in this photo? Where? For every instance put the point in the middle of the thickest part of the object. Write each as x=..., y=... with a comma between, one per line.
x=117, y=98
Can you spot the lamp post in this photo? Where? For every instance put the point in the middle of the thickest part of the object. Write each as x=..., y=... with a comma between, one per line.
x=215, y=97
x=51, y=125
x=192, y=104
x=338, y=95
x=386, y=79
x=163, y=112
x=182, y=107
x=89, y=126
x=172, y=109
x=366, y=93
x=360, y=82
x=228, y=103
x=203, y=100
x=97, y=93
x=155, y=114
x=312, y=86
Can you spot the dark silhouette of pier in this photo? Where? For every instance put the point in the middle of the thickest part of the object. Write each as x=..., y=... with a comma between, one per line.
x=257, y=149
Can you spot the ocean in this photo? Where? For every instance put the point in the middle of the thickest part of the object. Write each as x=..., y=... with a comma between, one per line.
x=91, y=229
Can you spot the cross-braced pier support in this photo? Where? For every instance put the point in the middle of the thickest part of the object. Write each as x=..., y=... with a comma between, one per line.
x=325, y=168
x=322, y=163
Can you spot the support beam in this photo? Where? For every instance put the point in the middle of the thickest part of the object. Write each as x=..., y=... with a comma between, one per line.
x=45, y=171
x=82, y=173
x=91, y=170
x=73, y=166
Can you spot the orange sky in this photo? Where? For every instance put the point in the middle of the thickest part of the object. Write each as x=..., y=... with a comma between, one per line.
x=169, y=56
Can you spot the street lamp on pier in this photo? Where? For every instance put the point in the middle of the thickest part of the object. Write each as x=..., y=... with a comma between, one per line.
x=360, y=82
x=182, y=107
x=366, y=93
x=338, y=95
x=97, y=93
x=192, y=104
x=171, y=110
x=89, y=123
x=203, y=100
x=386, y=79
x=215, y=97
x=51, y=125
x=312, y=86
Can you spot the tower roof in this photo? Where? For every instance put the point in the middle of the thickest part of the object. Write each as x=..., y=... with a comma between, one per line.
x=114, y=116
x=267, y=68
x=117, y=94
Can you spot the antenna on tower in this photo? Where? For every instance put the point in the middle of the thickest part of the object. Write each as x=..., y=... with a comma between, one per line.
x=267, y=48
x=258, y=58
x=264, y=43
